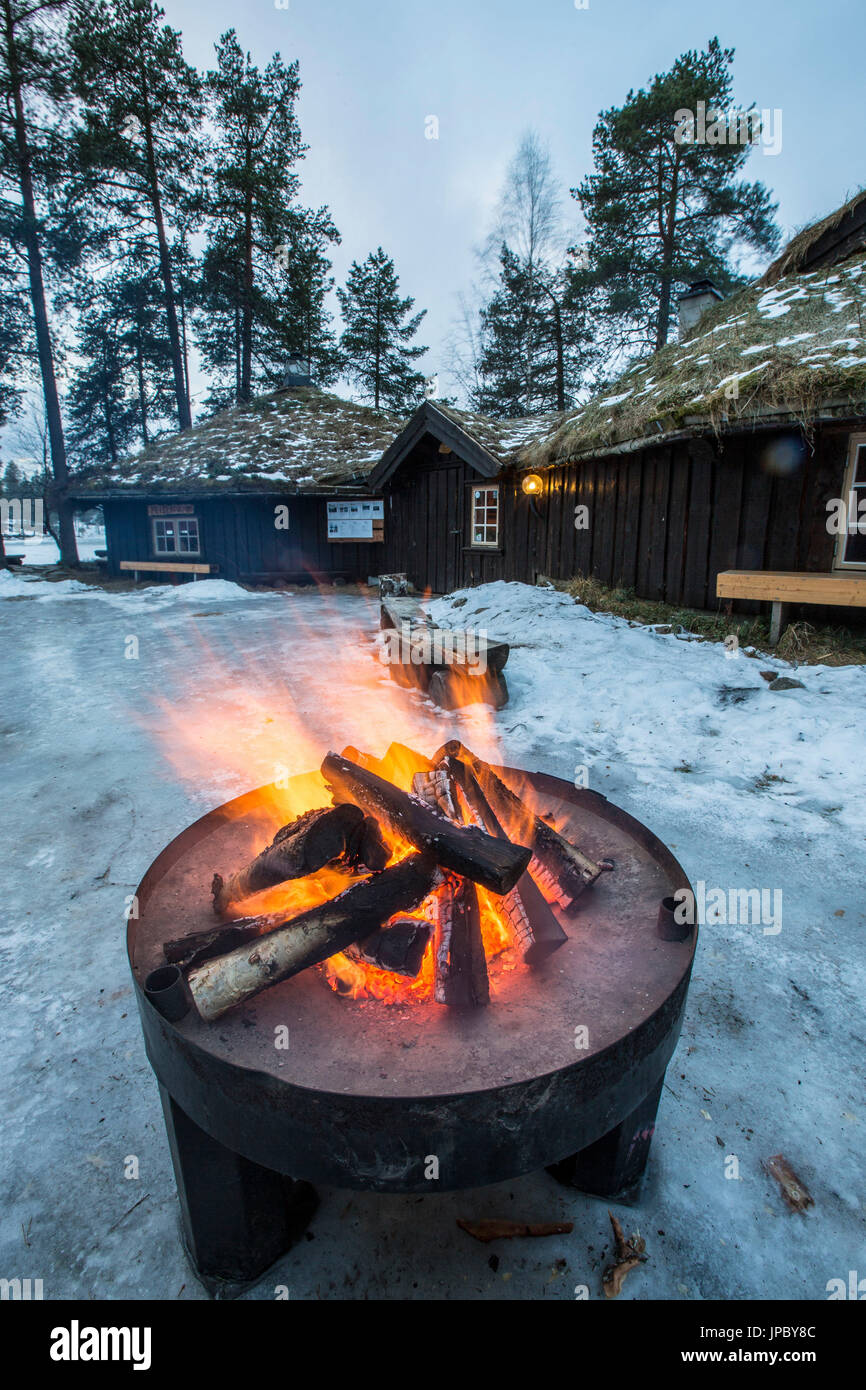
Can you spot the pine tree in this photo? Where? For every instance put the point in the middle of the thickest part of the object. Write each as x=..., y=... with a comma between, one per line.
x=376, y=341
x=536, y=340
x=661, y=213
x=265, y=271
x=33, y=97
x=139, y=142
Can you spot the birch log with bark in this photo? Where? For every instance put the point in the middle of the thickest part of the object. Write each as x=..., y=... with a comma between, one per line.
x=225, y=981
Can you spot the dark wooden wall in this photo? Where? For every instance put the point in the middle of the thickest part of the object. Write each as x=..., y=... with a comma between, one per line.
x=239, y=535
x=662, y=521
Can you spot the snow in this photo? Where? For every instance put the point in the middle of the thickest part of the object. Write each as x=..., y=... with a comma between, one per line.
x=750, y=788
x=41, y=550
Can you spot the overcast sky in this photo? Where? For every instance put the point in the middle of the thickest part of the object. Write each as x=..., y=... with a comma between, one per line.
x=488, y=69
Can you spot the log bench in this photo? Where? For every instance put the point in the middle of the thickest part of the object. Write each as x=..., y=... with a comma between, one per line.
x=166, y=567
x=783, y=587
x=454, y=668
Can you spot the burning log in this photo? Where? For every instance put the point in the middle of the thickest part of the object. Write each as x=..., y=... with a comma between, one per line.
x=536, y=930
x=399, y=946
x=460, y=962
x=461, y=966
x=298, y=849
x=221, y=983
x=203, y=945
x=366, y=848
x=568, y=865
x=496, y=864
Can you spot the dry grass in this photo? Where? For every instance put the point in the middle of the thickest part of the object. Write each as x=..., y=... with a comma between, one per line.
x=802, y=643
x=793, y=258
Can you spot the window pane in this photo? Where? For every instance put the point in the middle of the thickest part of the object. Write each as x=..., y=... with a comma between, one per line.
x=855, y=541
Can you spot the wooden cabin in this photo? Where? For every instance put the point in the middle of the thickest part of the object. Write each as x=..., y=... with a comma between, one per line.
x=721, y=452
x=271, y=491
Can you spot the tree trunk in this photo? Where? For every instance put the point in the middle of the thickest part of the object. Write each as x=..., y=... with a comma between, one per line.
x=668, y=248
x=247, y=319
x=560, y=355
x=142, y=393
x=45, y=354
x=184, y=417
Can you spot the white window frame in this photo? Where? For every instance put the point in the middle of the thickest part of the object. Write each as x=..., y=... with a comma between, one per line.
x=486, y=526
x=856, y=442
x=176, y=522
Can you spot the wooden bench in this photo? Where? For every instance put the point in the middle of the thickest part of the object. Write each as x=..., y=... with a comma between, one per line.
x=437, y=657
x=166, y=567
x=11, y=560
x=782, y=588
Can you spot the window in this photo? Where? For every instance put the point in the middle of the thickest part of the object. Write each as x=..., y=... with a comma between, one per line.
x=851, y=544
x=176, y=535
x=485, y=517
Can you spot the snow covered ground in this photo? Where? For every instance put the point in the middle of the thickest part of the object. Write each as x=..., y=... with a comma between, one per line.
x=42, y=550
x=752, y=788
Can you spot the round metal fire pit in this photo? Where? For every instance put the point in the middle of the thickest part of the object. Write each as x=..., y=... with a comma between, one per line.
x=366, y=1093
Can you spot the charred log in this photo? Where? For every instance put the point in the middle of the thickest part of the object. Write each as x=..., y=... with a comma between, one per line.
x=303, y=847
x=461, y=979
x=203, y=945
x=221, y=983
x=567, y=864
x=366, y=847
x=399, y=946
x=497, y=864
x=537, y=932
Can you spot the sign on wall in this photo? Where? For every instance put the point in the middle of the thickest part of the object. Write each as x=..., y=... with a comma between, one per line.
x=172, y=509
x=362, y=520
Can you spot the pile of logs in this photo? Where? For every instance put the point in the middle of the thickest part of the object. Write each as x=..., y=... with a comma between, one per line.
x=425, y=852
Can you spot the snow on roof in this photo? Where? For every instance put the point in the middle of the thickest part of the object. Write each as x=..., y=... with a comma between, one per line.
x=293, y=440
x=792, y=349
x=504, y=439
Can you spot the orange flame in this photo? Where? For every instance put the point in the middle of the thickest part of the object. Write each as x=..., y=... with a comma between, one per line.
x=265, y=715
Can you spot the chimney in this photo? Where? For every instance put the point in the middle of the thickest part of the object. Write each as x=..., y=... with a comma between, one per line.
x=694, y=304
x=296, y=374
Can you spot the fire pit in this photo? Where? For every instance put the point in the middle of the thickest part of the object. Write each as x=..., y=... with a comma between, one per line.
x=312, y=1080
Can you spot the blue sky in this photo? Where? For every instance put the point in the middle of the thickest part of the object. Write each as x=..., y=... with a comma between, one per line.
x=488, y=69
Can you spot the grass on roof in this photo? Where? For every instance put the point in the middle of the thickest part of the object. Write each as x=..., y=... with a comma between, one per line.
x=738, y=362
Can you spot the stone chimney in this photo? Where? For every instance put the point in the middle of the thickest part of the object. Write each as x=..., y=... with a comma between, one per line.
x=694, y=304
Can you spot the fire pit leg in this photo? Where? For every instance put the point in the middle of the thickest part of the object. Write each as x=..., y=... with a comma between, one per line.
x=615, y=1163
x=237, y=1217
